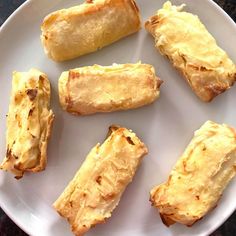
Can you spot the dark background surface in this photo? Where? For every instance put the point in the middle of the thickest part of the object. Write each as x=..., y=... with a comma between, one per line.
x=7, y=227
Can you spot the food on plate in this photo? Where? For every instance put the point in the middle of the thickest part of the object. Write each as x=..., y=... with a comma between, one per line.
x=82, y=29
x=192, y=50
x=199, y=177
x=92, y=89
x=29, y=123
x=97, y=187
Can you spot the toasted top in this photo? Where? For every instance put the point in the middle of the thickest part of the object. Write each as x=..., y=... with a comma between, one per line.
x=199, y=177
x=28, y=123
x=193, y=50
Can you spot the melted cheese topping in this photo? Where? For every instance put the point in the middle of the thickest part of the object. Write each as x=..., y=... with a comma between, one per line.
x=192, y=49
x=198, y=179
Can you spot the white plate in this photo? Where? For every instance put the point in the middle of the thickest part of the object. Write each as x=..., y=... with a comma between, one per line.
x=166, y=126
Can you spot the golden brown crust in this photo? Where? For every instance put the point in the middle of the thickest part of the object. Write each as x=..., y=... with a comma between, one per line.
x=79, y=30
x=199, y=177
x=29, y=123
x=97, y=187
x=92, y=89
x=208, y=70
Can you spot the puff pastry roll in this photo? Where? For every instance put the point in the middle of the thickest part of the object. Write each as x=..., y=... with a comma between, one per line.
x=92, y=89
x=192, y=50
x=97, y=187
x=79, y=30
x=200, y=176
x=29, y=123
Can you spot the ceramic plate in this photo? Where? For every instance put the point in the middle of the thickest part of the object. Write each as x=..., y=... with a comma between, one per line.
x=165, y=126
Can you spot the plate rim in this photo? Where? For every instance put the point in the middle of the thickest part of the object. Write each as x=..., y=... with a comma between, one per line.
x=6, y=24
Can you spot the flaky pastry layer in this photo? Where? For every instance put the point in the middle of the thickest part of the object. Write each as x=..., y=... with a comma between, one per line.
x=79, y=30
x=92, y=89
x=199, y=177
x=29, y=123
x=192, y=50
x=97, y=187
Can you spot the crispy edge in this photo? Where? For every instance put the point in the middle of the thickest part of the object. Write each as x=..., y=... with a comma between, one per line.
x=136, y=11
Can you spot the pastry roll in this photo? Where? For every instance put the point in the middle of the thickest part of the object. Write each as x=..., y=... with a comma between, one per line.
x=97, y=187
x=199, y=177
x=192, y=50
x=79, y=30
x=29, y=123
x=92, y=89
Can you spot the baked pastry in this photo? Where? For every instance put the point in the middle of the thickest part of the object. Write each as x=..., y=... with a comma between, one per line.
x=29, y=123
x=183, y=38
x=92, y=89
x=199, y=177
x=79, y=30
x=97, y=187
